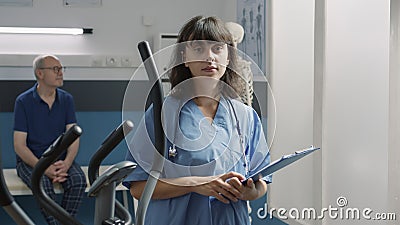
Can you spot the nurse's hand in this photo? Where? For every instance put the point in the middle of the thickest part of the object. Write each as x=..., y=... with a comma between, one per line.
x=251, y=191
x=218, y=187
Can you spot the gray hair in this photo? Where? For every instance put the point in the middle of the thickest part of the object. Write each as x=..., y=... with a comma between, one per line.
x=38, y=62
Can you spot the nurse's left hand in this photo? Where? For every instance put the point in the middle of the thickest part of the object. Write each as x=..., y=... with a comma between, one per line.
x=251, y=190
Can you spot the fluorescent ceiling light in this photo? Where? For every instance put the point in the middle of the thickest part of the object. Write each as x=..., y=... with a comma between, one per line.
x=42, y=30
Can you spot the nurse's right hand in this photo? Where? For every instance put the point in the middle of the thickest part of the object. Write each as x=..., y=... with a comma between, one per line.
x=217, y=187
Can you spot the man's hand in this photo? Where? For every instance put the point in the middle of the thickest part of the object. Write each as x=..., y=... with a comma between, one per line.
x=57, y=171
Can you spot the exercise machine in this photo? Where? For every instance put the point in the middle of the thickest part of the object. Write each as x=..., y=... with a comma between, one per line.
x=156, y=97
x=102, y=187
x=9, y=204
x=6, y=199
x=49, y=157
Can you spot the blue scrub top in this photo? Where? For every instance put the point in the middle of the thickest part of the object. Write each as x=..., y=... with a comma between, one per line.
x=203, y=149
x=42, y=125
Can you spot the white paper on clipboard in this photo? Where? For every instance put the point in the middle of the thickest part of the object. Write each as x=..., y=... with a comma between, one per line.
x=280, y=163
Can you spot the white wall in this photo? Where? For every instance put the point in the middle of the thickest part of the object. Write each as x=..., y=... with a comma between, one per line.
x=356, y=105
x=117, y=25
x=117, y=29
x=394, y=110
x=292, y=81
x=359, y=139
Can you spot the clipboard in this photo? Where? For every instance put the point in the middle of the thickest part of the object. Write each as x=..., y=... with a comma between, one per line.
x=280, y=163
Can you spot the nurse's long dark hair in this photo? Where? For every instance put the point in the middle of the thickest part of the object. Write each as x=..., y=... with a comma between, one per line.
x=212, y=29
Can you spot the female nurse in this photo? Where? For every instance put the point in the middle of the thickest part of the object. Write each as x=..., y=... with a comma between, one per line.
x=213, y=141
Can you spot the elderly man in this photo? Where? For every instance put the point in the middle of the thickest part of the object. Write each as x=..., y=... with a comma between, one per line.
x=41, y=114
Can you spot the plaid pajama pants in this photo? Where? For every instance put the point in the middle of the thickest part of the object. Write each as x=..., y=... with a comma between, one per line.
x=74, y=188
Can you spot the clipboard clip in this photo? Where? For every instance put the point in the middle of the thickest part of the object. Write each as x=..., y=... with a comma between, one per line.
x=302, y=151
